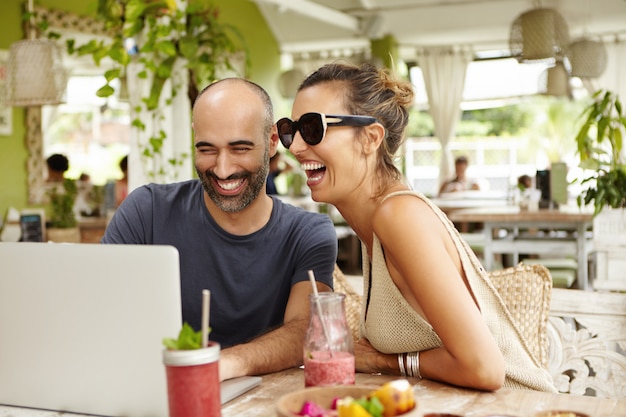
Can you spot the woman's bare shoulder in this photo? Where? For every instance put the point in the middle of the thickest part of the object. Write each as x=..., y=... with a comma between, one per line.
x=402, y=212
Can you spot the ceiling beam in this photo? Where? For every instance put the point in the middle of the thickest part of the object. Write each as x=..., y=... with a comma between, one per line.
x=319, y=12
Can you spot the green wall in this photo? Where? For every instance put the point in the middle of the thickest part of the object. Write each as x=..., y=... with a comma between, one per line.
x=13, y=190
x=264, y=58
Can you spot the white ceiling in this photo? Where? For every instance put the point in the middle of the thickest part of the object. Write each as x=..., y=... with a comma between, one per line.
x=313, y=25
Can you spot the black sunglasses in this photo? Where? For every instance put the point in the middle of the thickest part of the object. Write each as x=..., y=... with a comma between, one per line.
x=312, y=126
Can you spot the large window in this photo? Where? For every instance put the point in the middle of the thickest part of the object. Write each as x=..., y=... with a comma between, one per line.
x=496, y=82
x=92, y=132
x=508, y=127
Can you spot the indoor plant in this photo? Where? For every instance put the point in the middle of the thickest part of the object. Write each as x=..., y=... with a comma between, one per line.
x=63, y=224
x=599, y=145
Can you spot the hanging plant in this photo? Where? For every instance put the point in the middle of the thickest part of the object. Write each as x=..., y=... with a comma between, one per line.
x=162, y=37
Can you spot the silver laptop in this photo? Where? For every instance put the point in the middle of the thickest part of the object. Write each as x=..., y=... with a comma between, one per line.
x=81, y=328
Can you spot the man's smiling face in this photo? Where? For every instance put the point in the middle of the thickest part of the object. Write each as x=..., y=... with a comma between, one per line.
x=231, y=150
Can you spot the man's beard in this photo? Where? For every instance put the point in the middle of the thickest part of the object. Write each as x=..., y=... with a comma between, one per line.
x=233, y=204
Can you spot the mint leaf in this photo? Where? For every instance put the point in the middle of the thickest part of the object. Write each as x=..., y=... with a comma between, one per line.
x=188, y=339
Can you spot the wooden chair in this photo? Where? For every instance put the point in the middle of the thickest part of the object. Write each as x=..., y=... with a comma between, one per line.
x=526, y=291
x=587, y=342
x=578, y=336
x=352, y=301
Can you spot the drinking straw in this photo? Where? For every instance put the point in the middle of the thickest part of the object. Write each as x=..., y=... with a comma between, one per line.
x=206, y=298
x=319, y=310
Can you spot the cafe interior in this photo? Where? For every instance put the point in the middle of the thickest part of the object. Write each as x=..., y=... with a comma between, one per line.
x=459, y=54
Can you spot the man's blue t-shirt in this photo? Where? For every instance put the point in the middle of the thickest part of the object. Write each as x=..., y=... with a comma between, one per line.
x=249, y=277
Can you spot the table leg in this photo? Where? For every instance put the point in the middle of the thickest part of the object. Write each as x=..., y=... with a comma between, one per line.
x=582, y=257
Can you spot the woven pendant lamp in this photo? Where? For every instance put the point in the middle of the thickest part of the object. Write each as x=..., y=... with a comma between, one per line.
x=539, y=34
x=588, y=58
x=556, y=81
x=35, y=73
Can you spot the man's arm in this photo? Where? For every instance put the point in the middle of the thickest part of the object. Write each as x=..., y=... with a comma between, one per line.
x=278, y=349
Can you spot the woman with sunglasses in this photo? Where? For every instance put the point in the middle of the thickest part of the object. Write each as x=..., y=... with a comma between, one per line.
x=429, y=308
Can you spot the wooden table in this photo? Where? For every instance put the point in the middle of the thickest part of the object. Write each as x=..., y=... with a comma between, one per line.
x=450, y=205
x=431, y=397
x=92, y=229
x=525, y=237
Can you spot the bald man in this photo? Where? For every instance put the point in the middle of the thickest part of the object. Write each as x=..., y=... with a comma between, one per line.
x=251, y=250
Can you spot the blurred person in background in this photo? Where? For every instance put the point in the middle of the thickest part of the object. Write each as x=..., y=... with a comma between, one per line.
x=121, y=185
x=460, y=182
x=57, y=165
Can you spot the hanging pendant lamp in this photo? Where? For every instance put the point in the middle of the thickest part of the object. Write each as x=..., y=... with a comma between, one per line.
x=588, y=58
x=556, y=81
x=539, y=34
x=35, y=72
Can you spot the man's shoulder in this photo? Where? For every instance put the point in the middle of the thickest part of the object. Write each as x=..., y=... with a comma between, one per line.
x=289, y=210
x=187, y=185
x=152, y=196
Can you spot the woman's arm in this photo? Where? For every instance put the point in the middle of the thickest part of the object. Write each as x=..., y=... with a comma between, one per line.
x=426, y=268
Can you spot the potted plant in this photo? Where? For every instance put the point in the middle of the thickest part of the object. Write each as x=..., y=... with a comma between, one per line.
x=599, y=145
x=63, y=225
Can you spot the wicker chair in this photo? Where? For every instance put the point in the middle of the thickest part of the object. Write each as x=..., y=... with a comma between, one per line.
x=578, y=336
x=526, y=291
x=352, y=301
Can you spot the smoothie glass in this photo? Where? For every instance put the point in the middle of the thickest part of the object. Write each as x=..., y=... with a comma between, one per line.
x=328, y=345
x=193, y=385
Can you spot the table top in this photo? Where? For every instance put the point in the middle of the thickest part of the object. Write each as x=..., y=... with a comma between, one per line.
x=453, y=202
x=512, y=214
x=432, y=397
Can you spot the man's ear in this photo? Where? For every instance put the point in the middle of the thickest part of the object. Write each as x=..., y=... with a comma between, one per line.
x=374, y=136
x=273, y=141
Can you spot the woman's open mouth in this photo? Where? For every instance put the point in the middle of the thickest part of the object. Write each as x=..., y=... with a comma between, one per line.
x=314, y=172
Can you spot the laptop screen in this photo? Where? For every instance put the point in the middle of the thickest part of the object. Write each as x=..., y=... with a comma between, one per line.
x=81, y=326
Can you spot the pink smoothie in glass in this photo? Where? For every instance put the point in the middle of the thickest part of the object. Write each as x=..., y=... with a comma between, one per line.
x=193, y=385
x=193, y=391
x=322, y=369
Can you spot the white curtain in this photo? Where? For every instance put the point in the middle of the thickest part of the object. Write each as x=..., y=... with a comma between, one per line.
x=444, y=69
x=613, y=77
